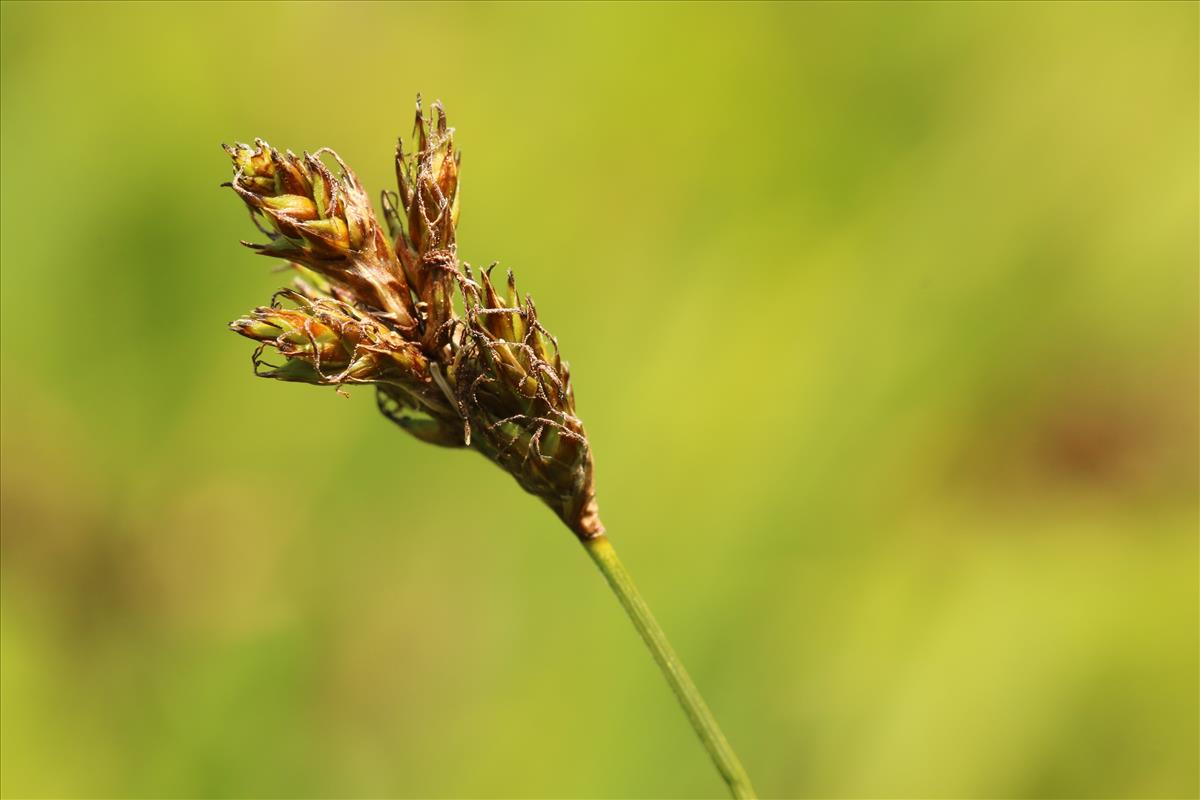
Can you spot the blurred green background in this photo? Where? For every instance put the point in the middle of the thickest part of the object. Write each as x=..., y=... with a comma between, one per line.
x=883, y=320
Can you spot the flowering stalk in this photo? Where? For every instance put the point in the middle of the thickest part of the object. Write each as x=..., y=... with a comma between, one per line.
x=455, y=360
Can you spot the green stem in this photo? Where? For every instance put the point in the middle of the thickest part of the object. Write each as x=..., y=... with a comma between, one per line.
x=731, y=769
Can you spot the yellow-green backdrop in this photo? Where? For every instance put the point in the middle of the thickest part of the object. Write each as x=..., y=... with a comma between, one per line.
x=882, y=318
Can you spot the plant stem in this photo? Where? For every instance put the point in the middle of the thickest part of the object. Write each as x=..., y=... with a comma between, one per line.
x=731, y=769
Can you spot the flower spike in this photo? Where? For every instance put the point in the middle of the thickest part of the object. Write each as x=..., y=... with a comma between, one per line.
x=380, y=309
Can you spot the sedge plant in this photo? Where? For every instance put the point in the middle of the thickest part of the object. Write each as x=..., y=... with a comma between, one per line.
x=457, y=357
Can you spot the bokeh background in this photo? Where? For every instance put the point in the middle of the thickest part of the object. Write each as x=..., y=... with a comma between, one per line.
x=883, y=320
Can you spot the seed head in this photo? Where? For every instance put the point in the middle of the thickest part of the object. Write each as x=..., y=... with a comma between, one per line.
x=427, y=178
x=324, y=222
x=519, y=390
x=329, y=342
x=422, y=217
x=369, y=308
